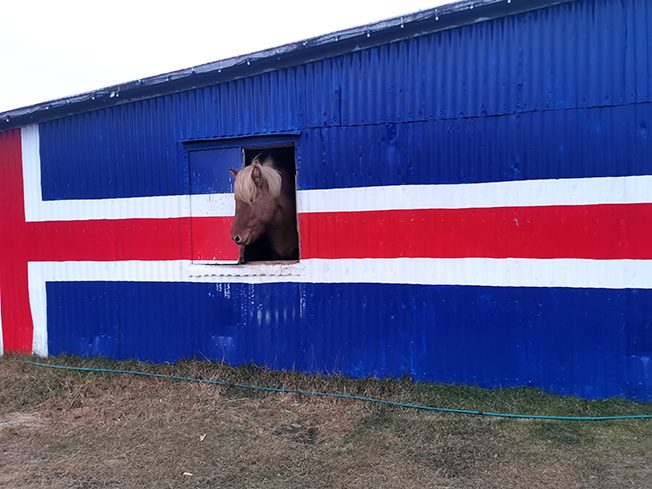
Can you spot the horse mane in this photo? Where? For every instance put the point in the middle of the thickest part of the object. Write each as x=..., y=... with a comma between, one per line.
x=245, y=187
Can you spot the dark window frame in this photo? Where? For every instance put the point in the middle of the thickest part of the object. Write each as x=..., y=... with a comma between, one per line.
x=245, y=144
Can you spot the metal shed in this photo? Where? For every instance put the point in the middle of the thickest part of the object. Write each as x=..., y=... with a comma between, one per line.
x=474, y=190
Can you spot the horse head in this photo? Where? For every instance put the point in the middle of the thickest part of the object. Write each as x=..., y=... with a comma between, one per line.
x=256, y=189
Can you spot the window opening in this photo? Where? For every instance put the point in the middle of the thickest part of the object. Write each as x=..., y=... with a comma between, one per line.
x=266, y=227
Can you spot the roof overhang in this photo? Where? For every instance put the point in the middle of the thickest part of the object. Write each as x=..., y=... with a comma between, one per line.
x=346, y=41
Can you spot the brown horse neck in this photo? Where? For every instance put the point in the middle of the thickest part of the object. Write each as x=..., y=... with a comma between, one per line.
x=282, y=230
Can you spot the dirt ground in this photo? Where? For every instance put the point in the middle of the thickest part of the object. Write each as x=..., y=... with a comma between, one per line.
x=62, y=429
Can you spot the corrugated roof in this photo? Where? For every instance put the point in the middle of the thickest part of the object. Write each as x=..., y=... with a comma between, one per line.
x=420, y=23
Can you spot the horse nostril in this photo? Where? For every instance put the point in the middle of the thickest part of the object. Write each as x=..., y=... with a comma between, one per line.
x=236, y=238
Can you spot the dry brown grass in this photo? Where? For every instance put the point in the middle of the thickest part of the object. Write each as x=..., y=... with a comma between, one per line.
x=65, y=430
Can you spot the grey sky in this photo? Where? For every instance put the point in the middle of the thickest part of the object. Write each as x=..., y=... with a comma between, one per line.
x=50, y=49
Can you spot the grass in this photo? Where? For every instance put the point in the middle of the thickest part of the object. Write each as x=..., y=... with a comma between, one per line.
x=66, y=429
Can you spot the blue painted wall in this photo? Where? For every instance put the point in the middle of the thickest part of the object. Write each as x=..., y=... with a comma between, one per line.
x=558, y=92
x=572, y=341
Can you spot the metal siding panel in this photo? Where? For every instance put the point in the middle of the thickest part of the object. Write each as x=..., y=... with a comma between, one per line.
x=209, y=169
x=594, y=142
x=640, y=14
x=529, y=336
x=641, y=138
x=15, y=308
x=93, y=155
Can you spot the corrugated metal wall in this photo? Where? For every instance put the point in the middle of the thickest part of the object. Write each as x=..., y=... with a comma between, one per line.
x=556, y=68
x=562, y=92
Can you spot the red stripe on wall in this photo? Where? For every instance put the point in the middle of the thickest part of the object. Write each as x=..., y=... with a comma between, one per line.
x=108, y=240
x=211, y=239
x=16, y=314
x=616, y=231
x=130, y=239
x=609, y=231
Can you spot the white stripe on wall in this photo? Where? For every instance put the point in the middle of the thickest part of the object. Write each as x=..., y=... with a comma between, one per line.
x=509, y=272
x=569, y=191
x=38, y=305
x=500, y=272
x=163, y=207
x=29, y=137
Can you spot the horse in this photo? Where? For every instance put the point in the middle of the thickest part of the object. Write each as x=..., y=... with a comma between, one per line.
x=265, y=211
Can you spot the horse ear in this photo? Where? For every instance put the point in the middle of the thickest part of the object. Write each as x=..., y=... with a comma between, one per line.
x=233, y=171
x=257, y=175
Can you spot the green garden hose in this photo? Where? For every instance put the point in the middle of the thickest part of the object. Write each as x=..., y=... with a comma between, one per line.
x=341, y=396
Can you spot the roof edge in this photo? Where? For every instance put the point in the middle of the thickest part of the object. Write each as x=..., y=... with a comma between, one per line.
x=423, y=22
